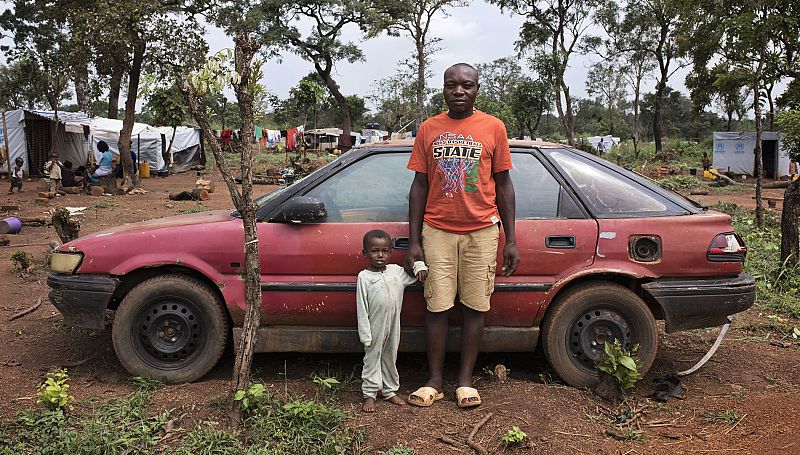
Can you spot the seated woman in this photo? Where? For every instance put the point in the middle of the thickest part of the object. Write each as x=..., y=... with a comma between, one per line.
x=105, y=166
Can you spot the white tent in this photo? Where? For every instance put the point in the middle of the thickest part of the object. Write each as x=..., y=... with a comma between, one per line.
x=734, y=152
x=29, y=137
x=608, y=141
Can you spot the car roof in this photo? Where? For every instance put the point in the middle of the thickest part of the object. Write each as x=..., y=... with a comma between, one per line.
x=513, y=143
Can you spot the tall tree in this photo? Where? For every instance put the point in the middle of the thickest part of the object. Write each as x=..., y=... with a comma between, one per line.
x=529, y=100
x=414, y=21
x=746, y=35
x=606, y=83
x=730, y=87
x=288, y=23
x=553, y=31
x=789, y=121
x=17, y=85
x=635, y=70
x=395, y=98
x=651, y=28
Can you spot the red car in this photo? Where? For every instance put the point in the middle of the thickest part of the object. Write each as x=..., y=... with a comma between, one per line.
x=605, y=253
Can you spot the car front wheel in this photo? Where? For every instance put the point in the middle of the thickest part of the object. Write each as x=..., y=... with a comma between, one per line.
x=582, y=319
x=172, y=328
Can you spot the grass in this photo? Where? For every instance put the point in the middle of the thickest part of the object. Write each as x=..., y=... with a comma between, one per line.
x=102, y=205
x=729, y=416
x=675, y=153
x=272, y=426
x=777, y=284
x=197, y=208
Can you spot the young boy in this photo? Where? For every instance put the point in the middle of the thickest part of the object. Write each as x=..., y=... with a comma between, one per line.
x=54, y=168
x=16, y=176
x=379, y=298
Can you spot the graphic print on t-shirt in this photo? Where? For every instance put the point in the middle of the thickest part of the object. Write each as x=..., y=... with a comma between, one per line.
x=457, y=158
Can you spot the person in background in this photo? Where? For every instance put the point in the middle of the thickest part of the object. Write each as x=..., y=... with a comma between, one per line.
x=16, y=175
x=54, y=168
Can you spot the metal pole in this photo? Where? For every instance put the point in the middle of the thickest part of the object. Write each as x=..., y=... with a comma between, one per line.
x=8, y=151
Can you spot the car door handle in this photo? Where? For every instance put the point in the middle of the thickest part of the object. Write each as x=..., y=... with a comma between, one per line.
x=559, y=241
x=400, y=243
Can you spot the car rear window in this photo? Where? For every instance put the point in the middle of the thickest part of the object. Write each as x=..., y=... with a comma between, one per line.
x=609, y=193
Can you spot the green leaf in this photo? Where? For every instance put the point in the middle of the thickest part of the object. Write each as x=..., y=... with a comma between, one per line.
x=239, y=395
x=628, y=363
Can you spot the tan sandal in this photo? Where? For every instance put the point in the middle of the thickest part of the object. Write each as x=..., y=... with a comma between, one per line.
x=424, y=397
x=467, y=397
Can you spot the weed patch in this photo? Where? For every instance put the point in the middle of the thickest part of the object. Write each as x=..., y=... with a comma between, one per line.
x=21, y=259
x=103, y=205
x=198, y=208
x=680, y=182
x=729, y=416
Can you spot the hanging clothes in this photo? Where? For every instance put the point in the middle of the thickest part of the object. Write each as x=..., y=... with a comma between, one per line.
x=273, y=137
x=290, y=139
x=259, y=132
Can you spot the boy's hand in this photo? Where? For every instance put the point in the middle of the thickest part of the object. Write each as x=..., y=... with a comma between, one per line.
x=422, y=276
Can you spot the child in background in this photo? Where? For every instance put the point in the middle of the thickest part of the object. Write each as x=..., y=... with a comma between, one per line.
x=54, y=168
x=379, y=299
x=16, y=176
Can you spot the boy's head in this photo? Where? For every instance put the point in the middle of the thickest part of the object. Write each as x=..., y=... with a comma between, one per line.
x=377, y=248
x=53, y=155
x=102, y=146
x=68, y=164
x=19, y=162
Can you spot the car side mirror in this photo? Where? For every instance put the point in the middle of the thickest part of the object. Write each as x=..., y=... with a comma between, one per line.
x=301, y=209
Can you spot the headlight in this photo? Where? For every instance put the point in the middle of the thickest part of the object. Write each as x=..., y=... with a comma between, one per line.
x=62, y=262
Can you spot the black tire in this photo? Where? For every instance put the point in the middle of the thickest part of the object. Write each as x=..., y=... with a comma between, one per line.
x=581, y=319
x=172, y=328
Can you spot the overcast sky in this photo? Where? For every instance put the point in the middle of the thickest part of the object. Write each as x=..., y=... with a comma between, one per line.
x=476, y=34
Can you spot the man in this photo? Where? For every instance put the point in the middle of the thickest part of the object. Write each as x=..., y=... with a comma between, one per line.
x=461, y=190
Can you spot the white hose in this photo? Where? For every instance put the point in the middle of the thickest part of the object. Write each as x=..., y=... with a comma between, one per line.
x=710, y=352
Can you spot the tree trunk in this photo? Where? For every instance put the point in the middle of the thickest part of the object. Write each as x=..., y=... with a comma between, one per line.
x=333, y=88
x=131, y=176
x=245, y=49
x=790, y=225
x=569, y=123
x=657, y=124
x=730, y=121
x=758, y=151
x=636, y=94
x=82, y=94
x=420, y=88
x=114, y=85
x=771, y=107
x=168, y=153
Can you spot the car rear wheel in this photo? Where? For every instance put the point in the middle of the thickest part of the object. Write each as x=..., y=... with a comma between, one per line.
x=583, y=318
x=172, y=328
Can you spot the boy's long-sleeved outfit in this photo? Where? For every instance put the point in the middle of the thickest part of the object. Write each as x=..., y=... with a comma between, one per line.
x=379, y=299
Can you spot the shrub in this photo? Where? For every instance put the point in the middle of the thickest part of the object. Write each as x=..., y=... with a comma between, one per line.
x=54, y=391
x=620, y=364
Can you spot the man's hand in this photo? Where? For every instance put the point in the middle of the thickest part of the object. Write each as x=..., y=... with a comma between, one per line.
x=422, y=276
x=510, y=259
x=414, y=254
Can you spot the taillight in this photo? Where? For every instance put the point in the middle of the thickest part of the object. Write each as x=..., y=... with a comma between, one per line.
x=727, y=247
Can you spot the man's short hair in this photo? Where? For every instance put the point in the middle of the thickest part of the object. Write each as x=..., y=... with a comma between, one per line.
x=464, y=65
x=376, y=234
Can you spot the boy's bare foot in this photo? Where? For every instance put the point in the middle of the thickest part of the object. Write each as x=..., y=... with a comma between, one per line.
x=369, y=404
x=396, y=400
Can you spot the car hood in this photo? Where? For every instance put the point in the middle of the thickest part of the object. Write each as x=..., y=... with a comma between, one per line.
x=193, y=219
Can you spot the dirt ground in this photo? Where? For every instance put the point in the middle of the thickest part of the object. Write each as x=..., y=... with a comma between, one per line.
x=754, y=376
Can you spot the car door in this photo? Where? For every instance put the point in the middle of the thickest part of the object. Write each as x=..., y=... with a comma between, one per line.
x=309, y=270
x=555, y=237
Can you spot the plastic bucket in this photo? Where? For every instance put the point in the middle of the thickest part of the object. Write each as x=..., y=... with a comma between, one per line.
x=10, y=225
x=144, y=170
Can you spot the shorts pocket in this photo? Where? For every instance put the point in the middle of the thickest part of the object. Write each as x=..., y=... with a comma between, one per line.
x=427, y=287
x=490, y=279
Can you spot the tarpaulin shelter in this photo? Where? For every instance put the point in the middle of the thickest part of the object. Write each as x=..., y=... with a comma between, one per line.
x=30, y=137
x=735, y=152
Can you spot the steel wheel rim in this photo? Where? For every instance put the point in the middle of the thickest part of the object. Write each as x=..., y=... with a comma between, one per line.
x=169, y=333
x=592, y=328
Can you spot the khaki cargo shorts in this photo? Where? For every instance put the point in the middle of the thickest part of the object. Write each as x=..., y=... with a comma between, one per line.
x=462, y=264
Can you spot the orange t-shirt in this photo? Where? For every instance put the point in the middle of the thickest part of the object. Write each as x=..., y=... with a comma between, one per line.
x=460, y=158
